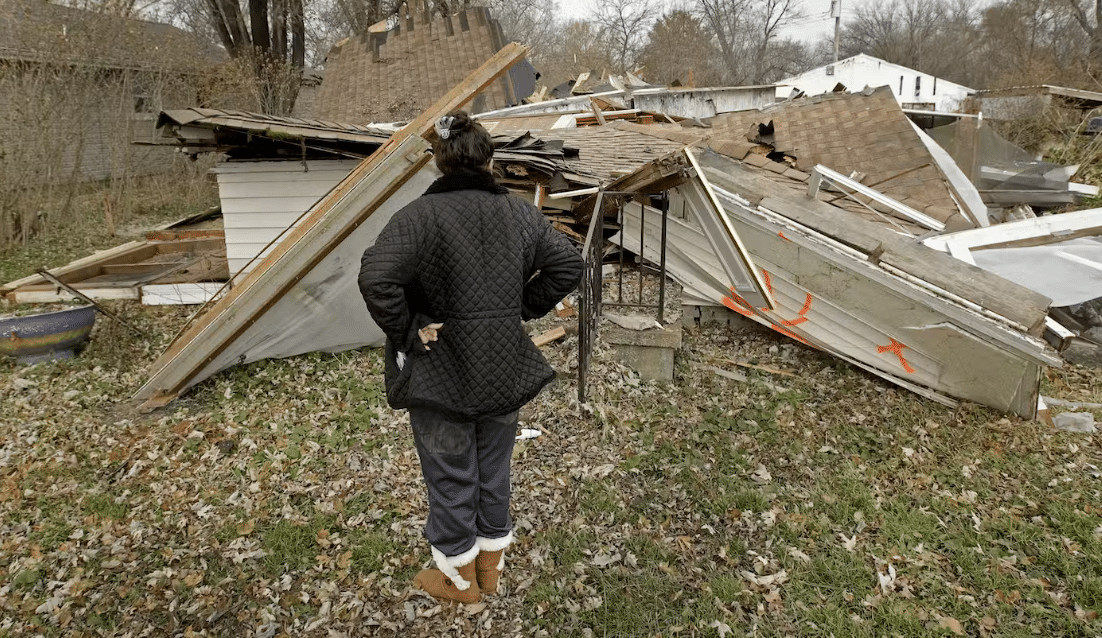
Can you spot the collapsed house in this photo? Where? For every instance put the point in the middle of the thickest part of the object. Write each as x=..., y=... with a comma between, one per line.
x=832, y=220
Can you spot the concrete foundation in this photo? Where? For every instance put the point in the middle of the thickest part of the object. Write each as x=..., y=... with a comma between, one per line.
x=648, y=352
x=692, y=316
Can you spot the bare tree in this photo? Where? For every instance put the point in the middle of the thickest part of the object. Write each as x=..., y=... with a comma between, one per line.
x=530, y=22
x=745, y=31
x=933, y=36
x=1036, y=42
x=679, y=47
x=579, y=46
x=625, y=24
x=123, y=8
x=271, y=36
x=1093, y=30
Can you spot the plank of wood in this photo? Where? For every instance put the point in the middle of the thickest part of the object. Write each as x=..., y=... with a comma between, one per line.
x=327, y=224
x=90, y=261
x=1025, y=232
x=745, y=364
x=597, y=113
x=43, y=294
x=726, y=374
x=545, y=338
x=568, y=231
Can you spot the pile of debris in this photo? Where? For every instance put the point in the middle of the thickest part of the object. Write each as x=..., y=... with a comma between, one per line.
x=833, y=220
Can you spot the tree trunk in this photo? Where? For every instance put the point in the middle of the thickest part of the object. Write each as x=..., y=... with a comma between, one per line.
x=235, y=21
x=298, y=33
x=220, y=26
x=279, y=29
x=258, y=16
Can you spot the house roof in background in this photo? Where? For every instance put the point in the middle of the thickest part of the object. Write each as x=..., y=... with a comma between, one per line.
x=857, y=61
x=39, y=31
x=393, y=75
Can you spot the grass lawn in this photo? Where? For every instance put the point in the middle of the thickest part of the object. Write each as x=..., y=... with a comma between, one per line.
x=283, y=498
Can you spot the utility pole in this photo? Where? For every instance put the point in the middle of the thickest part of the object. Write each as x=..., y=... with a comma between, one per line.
x=836, y=13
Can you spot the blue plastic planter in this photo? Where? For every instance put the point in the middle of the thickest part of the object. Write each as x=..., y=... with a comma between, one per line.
x=46, y=336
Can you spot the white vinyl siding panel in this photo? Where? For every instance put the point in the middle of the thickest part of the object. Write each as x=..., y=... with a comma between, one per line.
x=262, y=199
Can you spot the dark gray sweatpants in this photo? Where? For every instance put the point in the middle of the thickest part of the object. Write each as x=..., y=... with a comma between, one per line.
x=466, y=465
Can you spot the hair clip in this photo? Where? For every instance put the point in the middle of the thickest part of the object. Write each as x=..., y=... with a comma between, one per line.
x=444, y=126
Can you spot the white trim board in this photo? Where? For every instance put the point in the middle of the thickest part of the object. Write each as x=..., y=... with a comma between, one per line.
x=1057, y=227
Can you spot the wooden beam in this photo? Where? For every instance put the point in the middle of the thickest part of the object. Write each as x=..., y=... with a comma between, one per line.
x=1038, y=231
x=553, y=334
x=324, y=227
x=597, y=113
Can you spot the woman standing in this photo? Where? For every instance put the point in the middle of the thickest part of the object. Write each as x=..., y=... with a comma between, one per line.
x=450, y=280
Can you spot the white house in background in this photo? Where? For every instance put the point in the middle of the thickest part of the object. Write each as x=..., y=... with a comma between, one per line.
x=912, y=88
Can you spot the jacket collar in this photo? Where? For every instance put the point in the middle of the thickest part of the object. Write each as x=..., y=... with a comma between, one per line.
x=467, y=179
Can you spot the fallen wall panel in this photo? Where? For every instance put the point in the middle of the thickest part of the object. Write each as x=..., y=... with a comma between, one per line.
x=312, y=263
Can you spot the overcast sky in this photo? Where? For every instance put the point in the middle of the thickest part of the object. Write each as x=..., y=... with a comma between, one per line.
x=815, y=23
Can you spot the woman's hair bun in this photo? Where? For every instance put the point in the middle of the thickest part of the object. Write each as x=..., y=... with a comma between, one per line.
x=461, y=143
x=461, y=122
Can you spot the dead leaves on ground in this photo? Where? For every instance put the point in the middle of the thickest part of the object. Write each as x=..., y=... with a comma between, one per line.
x=282, y=499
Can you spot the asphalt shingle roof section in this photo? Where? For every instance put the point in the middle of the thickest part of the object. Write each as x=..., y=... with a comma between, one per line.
x=863, y=132
x=395, y=75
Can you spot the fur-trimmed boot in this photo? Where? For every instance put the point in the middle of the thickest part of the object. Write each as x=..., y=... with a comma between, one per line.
x=490, y=561
x=455, y=578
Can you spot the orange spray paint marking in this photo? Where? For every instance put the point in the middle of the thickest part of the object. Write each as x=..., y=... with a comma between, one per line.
x=738, y=304
x=780, y=233
x=800, y=315
x=897, y=349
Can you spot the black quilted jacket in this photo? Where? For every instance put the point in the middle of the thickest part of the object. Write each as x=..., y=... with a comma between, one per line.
x=464, y=254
